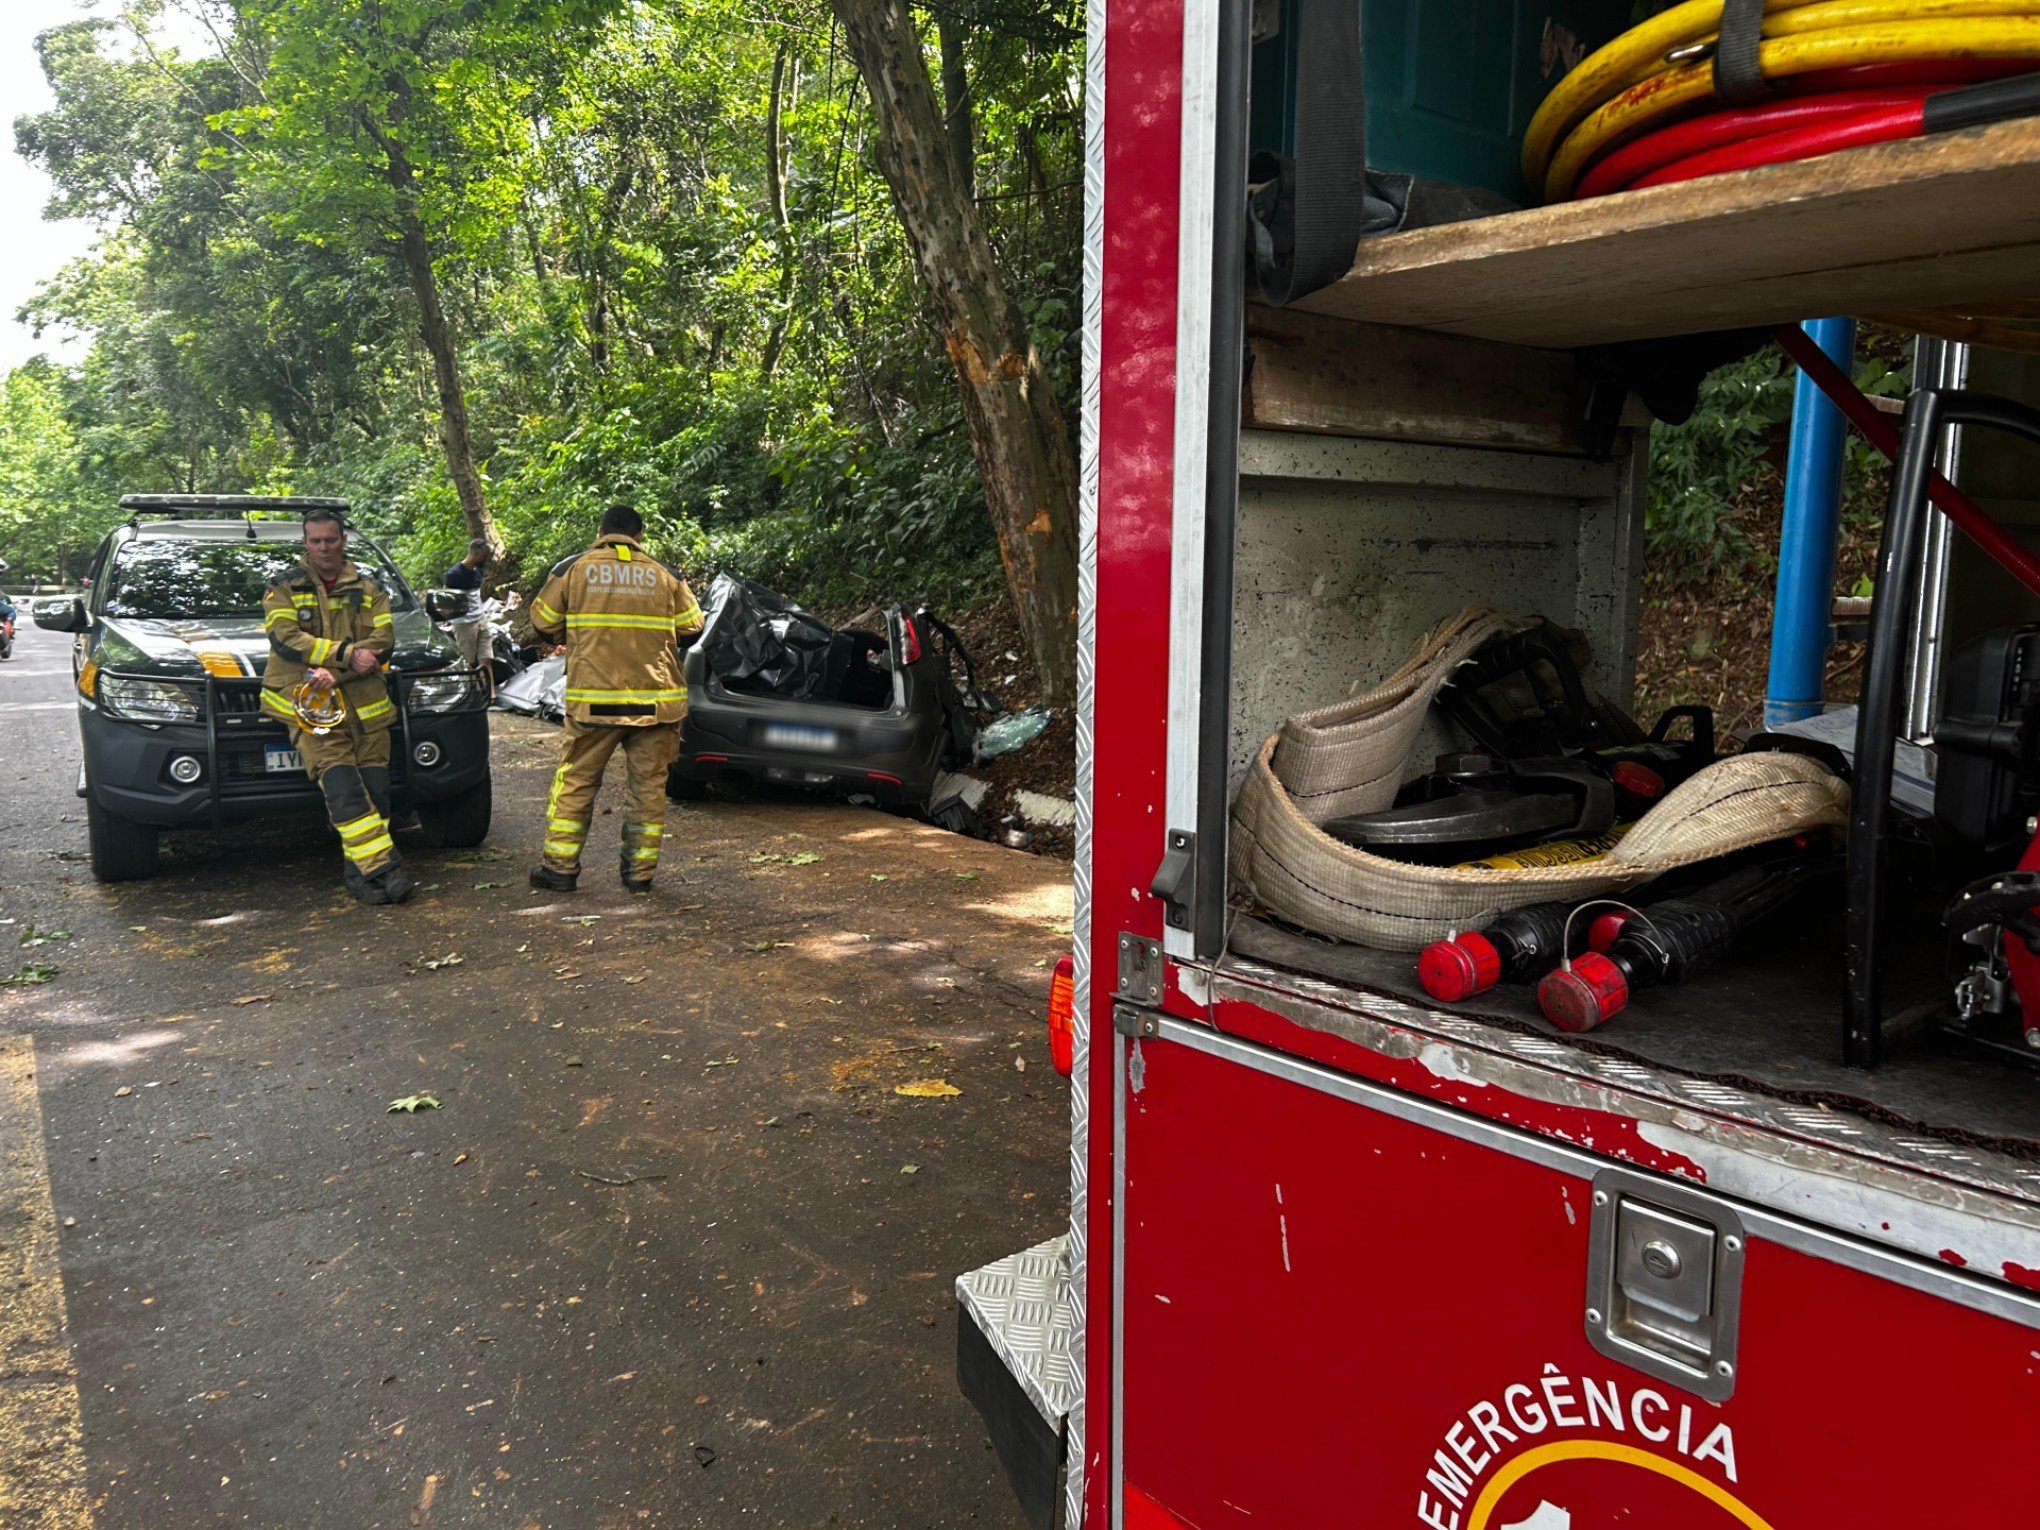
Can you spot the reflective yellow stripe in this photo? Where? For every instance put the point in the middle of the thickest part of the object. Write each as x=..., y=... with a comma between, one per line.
x=369, y=851
x=370, y=709
x=571, y=850
x=273, y=701
x=359, y=825
x=690, y=614
x=383, y=619
x=579, y=619
x=279, y=616
x=545, y=613
x=566, y=826
x=678, y=693
x=644, y=855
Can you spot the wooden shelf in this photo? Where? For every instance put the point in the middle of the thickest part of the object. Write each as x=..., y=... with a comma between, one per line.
x=1950, y=219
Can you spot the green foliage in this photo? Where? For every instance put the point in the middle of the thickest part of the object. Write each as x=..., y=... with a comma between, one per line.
x=635, y=319
x=1711, y=477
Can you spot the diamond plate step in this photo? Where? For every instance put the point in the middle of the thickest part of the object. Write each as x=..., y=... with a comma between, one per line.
x=1022, y=1306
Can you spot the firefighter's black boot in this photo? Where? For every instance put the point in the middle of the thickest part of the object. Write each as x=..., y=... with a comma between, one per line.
x=364, y=890
x=545, y=879
x=394, y=881
x=639, y=884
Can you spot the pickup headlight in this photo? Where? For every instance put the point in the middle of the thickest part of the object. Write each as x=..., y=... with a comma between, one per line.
x=146, y=701
x=443, y=690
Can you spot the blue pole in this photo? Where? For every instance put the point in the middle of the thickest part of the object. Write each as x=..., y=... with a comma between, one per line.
x=1801, y=629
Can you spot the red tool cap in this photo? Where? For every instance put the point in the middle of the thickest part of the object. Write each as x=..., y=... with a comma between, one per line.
x=1637, y=780
x=1459, y=968
x=1605, y=928
x=1592, y=991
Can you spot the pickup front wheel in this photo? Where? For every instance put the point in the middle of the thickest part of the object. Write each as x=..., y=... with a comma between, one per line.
x=458, y=822
x=122, y=850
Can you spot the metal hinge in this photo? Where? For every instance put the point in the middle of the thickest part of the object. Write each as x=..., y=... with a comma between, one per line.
x=1135, y=1023
x=1175, y=880
x=1140, y=969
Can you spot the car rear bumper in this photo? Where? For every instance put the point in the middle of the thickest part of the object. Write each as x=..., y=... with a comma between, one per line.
x=891, y=756
x=127, y=768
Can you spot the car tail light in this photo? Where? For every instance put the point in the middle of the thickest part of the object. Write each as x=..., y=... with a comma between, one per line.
x=910, y=641
x=1062, y=1016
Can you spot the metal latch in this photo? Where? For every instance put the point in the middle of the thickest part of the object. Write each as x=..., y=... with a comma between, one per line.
x=1135, y=1023
x=1140, y=969
x=1175, y=880
x=1664, y=1281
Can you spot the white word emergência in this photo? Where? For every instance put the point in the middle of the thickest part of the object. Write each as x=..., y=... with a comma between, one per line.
x=1558, y=1401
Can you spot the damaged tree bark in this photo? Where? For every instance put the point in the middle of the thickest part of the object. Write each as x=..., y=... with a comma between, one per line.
x=1017, y=431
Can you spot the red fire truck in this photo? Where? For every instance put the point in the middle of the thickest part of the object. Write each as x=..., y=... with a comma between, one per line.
x=1339, y=1254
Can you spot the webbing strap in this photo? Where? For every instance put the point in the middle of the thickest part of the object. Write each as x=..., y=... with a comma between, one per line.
x=1738, y=66
x=1321, y=202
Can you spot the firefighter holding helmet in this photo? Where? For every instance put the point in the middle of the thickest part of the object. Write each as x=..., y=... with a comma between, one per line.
x=330, y=632
x=622, y=615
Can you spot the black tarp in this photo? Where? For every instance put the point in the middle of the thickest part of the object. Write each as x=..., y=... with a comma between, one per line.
x=757, y=641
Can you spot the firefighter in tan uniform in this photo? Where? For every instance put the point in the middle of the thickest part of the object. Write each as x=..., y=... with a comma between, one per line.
x=621, y=614
x=330, y=629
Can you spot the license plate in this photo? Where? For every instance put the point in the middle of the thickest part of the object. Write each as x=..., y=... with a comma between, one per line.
x=277, y=758
x=794, y=736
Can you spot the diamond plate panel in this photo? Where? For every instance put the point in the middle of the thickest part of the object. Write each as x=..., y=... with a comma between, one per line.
x=1022, y=1305
x=1087, y=659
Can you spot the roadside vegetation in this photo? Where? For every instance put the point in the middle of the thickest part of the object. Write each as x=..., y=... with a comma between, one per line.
x=484, y=268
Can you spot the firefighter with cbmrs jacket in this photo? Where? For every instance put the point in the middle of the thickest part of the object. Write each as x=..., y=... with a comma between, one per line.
x=622, y=615
x=330, y=633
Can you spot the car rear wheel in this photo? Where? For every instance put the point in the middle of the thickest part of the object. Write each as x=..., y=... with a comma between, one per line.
x=682, y=787
x=122, y=850
x=458, y=822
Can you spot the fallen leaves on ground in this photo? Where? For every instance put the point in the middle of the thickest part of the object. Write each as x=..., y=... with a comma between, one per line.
x=32, y=936
x=123, y=1091
x=253, y=998
x=479, y=886
x=29, y=972
x=411, y=1104
x=927, y=1089
x=804, y=858
x=451, y=959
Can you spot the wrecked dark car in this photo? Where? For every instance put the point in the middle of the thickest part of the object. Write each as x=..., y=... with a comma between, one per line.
x=774, y=694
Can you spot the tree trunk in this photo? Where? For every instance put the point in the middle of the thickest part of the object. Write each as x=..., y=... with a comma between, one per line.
x=453, y=415
x=782, y=225
x=415, y=250
x=956, y=112
x=1016, y=426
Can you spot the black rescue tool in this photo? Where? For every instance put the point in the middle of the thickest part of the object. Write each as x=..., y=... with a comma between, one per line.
x=1673, y=940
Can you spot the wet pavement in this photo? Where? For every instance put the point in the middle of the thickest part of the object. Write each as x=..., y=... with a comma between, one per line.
x=671, y=1251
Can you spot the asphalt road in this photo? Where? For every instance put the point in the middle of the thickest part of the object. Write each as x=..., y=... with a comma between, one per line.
x=672, y=1251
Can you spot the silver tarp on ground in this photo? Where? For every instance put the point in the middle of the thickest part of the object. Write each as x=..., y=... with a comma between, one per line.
x=540, y=691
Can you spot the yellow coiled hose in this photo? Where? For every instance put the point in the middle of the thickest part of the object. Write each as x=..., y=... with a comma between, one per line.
x=1631, y=86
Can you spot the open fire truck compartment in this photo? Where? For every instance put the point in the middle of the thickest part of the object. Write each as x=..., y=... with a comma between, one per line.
x=1339, y=1253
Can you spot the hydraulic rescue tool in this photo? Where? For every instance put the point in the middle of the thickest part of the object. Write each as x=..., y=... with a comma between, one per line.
x=1672, y=940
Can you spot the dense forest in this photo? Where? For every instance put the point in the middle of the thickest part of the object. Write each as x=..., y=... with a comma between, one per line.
x=483, y=267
